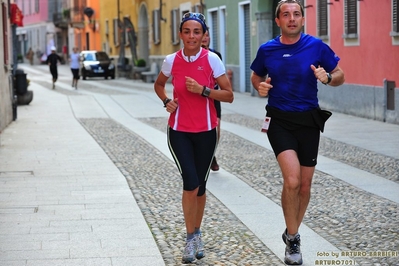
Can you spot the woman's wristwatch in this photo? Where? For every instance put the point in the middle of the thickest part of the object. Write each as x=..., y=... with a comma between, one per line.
x=165, y=102
x=206, y=91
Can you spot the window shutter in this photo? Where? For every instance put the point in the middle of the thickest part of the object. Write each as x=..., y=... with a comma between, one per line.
x=116, y=31
x=323, y=17
x=156, y=26
x=304, y=10
x=215, y=29
x=351, y=17
x=395, y=24
x=37, y=4
x=5, y=32
x=197, y=8
x=172, y=26
x=175, y=25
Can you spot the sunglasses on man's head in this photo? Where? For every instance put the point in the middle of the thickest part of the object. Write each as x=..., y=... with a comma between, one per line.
x=289, y=1
x=194, y=15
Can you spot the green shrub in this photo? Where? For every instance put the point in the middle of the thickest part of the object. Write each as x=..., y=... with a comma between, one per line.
x=66, y=13
x=140, y=63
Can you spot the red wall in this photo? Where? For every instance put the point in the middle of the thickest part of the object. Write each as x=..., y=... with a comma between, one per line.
x=376, y=57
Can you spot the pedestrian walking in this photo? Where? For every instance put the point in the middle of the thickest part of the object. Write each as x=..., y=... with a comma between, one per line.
x=286, y=69
x=191, y=132
x=52, y=61
x=74, y=64
x=29, y=56
x=205, y=44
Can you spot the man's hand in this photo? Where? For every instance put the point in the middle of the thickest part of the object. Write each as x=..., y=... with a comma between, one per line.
x=264, y=87
x=320, y=73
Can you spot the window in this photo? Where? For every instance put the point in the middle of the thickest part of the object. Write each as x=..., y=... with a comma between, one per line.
x=304, y=12
x=5, y=32
x=395, y=22
x=116, y=32
x=126, y=29
x=351, y=18
x=101, y=56
x=198, y=8
x=175, y=24
x=214, y=30
x=322, y=18
x=37, y=6
x=156, y=26
x=106, y=28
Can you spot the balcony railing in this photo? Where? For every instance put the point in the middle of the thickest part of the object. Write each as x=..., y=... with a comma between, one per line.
x=60, y=20
x=77, y=17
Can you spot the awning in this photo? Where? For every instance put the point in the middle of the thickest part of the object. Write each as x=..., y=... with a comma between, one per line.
x=16, y=16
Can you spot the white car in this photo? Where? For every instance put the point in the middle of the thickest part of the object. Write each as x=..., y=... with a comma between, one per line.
x=96, y=64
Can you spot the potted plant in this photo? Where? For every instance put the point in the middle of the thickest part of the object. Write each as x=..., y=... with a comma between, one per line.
x=140, y=63
x=139, y=66
x=20, y=58
x=66, y=13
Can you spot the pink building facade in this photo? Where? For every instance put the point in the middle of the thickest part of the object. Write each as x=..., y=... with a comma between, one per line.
x=365, y=35
x=39, y=31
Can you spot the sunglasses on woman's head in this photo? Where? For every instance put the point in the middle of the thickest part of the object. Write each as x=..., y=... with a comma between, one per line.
x=194, y=15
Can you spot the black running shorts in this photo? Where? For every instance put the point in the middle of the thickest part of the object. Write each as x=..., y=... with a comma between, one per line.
x=304, y=140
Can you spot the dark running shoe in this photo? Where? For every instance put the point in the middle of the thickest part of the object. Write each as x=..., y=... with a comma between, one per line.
x=214, y=165
x=293, y=255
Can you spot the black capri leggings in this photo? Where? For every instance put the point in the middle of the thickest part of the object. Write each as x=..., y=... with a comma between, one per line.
x=193, y=154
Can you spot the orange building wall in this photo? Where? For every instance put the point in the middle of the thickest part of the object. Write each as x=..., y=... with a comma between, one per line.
x=375, y=58
x=94, y=34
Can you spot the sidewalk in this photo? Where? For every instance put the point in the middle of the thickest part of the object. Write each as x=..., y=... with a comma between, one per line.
x=64, y=202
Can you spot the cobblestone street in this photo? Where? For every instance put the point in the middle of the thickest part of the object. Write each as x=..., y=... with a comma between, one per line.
x=352, y=217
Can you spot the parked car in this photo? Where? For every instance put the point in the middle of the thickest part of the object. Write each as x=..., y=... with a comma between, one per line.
x=96, y=64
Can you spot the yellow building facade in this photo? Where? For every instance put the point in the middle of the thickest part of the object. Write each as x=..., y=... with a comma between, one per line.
x=147, y=29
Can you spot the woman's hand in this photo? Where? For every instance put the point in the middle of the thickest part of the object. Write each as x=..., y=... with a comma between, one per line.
x=193, y=86
x=171, y=106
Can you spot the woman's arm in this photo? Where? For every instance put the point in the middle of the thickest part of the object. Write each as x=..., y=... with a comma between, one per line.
x=224, y=94
x=159, y=86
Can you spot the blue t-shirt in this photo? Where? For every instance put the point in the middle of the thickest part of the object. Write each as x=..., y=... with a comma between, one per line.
x=288, y=66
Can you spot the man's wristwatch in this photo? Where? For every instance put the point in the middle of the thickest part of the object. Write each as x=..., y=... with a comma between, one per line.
x=165, y=102
x=206, y=91
x=329, y=78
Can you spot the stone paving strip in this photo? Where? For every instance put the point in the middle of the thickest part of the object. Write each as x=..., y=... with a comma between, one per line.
x=156, y=186
x=346, y=216
x=384, y=166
